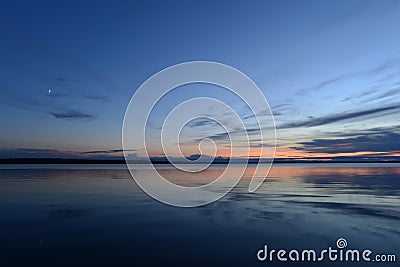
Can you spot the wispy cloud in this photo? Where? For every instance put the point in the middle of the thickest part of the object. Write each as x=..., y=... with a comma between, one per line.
x=321, y=85
x=38, y=104
x=375, y=72
x=99, y=98
x=337, y=117
x=387, y=94
x=64, y=79
x=388, y=65
x=217, y=137
x=360, y=132
x=57, y=95
x=202, y=123
x=360, y=95
x=374, y=94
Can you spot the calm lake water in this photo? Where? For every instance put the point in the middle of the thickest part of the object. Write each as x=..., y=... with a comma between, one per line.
x=77, y=215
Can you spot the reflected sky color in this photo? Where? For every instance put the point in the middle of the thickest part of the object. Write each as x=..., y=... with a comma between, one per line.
x=330, y=71
x=96, y=215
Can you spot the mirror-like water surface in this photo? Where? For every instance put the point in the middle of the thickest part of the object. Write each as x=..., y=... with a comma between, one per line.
x=75, y=215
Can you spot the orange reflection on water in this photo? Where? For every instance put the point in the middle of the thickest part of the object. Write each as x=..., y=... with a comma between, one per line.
x=330, y=169
x=343, y=173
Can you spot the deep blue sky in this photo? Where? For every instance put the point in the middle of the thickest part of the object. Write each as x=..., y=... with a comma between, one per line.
x=329, y=69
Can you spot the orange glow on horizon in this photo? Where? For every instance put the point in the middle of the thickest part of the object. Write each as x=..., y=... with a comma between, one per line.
x=284, y=152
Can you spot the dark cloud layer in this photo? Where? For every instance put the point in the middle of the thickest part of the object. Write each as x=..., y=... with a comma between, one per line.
x=37, y=153
x=384, y=142
x=111, y=151
x=55, y=153
x=71, y=114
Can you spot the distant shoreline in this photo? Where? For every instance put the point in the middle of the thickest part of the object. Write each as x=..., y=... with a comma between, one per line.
x=107, y=161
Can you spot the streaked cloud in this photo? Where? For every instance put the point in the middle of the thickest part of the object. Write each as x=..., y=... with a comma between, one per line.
x=321, y=85
x=111, y=151
x=338, y=117
x=384, y=142
x=99, y=98
x=71, y=114
x=202, y=122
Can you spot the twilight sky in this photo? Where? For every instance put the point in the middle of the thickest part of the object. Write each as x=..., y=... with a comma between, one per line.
x=329, y=69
